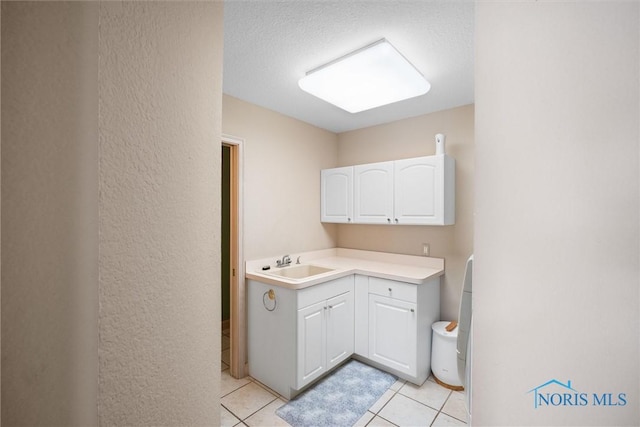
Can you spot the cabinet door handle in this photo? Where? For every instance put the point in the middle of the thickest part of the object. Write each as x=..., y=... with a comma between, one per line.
x=412, y=310
x=389, y=289
x=330, y=307
x=396, y=220
x=388, y=219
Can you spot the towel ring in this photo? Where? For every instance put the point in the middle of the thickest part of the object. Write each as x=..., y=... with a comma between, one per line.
x=271, y=295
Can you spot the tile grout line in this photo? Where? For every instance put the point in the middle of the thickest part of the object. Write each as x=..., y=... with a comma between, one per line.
x=234, y=415
x=251, y=380
x=441, y=411
x=450, y=415
x=260, y=409
x=277, y=396
x=275, y=393
x=424, y=404
x=376, y=414
x=233, y=391
x=242, y=420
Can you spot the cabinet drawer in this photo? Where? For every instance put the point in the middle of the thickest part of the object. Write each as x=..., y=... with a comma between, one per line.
x=393, y=289
x=323, y=291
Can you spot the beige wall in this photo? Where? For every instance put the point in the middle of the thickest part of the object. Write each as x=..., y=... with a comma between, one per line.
x=160, y=103
x=49, y=213
x=110, y=249
x=412, y=138
x=282, y=162
x=557, y=210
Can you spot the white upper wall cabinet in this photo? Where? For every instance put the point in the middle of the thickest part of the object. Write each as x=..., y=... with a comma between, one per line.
x=373, y=193
x=424, y=190
x=336, y=192
x=417, y=191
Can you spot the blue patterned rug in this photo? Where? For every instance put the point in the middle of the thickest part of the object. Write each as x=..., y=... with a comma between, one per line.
x=340, y=399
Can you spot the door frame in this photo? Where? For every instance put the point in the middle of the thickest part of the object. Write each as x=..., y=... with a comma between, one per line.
x=238, y=327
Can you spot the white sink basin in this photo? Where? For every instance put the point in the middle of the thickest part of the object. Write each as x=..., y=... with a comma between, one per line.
x=298, y=272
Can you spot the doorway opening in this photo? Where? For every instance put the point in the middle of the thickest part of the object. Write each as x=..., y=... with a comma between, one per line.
x=232, y=261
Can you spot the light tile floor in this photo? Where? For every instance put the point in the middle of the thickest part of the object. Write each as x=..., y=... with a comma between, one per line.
x=246, y=402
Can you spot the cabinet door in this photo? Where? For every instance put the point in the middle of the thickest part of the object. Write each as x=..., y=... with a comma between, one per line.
x=418, y=191
x=339, y=329
x=311, y=343
x=336, y=195
x=373, y=193
x=392, y=333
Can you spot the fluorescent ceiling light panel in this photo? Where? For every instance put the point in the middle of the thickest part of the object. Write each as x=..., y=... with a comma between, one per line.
x=370, y=77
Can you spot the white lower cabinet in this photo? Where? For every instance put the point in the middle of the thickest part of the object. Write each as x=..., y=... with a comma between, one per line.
x=339, y=329
x=312, y=335
x=393, y=324
x=306, y=333
x=301, y=336
x=392, y=333
x=325, y=337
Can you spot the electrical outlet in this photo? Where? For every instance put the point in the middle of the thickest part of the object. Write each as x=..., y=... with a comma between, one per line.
x=425, y=249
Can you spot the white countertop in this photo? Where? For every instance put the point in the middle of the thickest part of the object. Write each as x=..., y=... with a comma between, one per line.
x=343, y=262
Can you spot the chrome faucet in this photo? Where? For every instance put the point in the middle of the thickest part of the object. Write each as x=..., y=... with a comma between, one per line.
x=286, y=260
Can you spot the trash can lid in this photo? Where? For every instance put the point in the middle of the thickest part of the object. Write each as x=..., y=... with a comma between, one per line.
x=440, y=329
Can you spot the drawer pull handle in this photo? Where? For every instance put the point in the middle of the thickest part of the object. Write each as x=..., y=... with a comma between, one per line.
x=330, y=307
x=412, y=310
x=389, y=289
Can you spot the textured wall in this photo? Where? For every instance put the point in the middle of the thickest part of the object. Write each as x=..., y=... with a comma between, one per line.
x=412, y=138
x=557, y=210
x=160, y=108
x=49, y=213
x=282, y=162
x=110, y=211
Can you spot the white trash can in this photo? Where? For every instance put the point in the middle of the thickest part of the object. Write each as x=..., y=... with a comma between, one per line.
x=444, y=361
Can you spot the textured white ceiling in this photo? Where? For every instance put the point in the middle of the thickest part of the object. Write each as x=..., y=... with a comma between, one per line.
x=270, y=45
